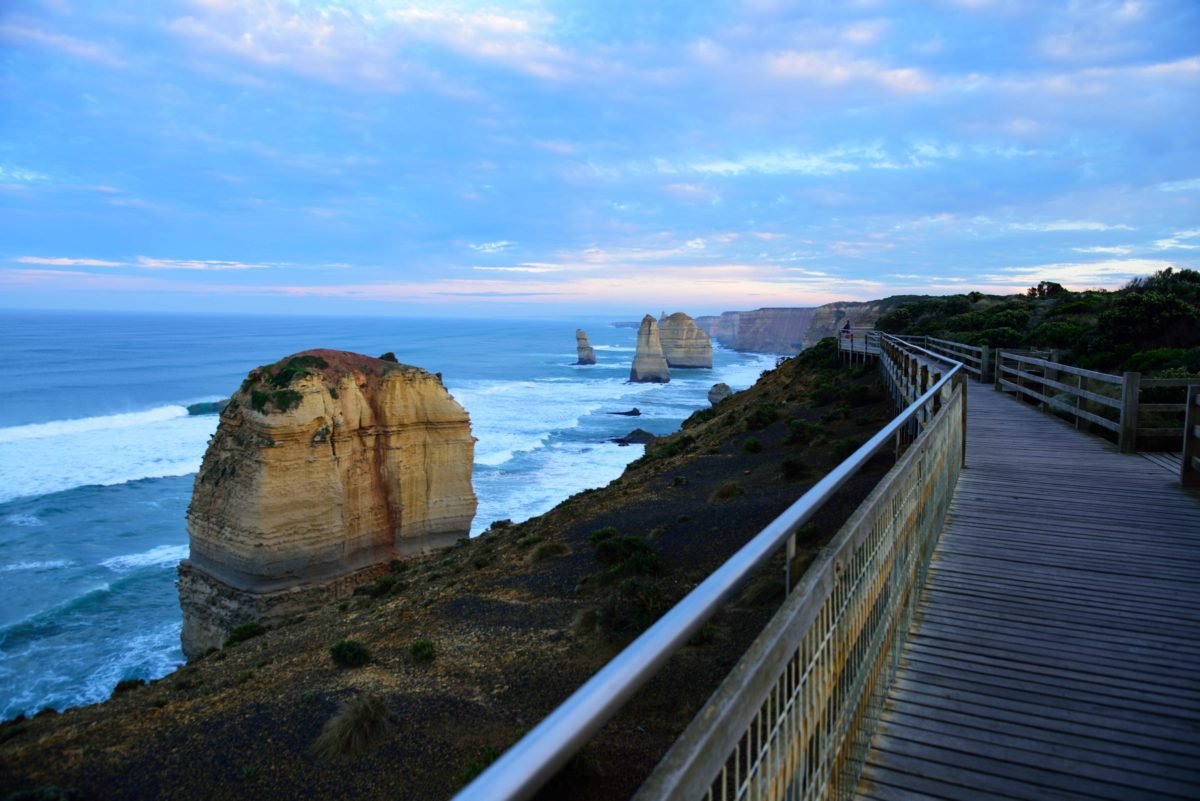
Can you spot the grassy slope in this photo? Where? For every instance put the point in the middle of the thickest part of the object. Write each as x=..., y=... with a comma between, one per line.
x=518, y=618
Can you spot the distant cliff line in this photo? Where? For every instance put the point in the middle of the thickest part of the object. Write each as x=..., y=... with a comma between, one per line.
x=788, y=330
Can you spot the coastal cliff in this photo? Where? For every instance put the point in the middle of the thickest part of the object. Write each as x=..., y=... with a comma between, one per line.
x=771, y=330
x=684, y=344
x=587, y=355
x=324, y=467
x=827, y=320
x=649, y=364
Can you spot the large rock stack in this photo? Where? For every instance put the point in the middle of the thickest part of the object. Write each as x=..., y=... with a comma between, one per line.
x=325, y=466
x=584, y=348
x=684, y=344
x=649, y=364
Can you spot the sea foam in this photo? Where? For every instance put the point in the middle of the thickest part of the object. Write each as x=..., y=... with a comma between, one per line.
x=42, y=458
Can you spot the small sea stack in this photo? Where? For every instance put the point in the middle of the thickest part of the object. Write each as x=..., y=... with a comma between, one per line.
x=586, y=354
x=718, y=393
x=684, y=343
x=325, y=466
x=649, y=364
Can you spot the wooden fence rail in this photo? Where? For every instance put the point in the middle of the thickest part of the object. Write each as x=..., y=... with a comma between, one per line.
x=1190, y=469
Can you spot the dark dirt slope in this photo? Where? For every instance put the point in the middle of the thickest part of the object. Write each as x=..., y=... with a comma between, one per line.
x=517, y=619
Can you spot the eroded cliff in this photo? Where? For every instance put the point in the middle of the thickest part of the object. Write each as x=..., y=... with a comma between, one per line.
x=324, y=467
x=587, y=355
x=684, y=344
x=775, y=330
x=649, y=364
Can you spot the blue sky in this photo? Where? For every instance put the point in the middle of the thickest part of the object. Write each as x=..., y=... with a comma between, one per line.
x=550, y=158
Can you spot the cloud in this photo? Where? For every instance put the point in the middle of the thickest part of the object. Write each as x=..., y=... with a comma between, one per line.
x=1109, y=274
x=524, y=268
x=145, y=263
x=692, y=192
x=67, y=262
x=20, y=174
x=833, y=68
x=1069, y=225
x=491, y=247
x=1114, y=250
x=830, y=162
x=1189, y=185
x=1176, y=242
x=60, y=43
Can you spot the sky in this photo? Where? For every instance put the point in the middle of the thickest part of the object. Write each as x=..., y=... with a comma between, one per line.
x=556, y=157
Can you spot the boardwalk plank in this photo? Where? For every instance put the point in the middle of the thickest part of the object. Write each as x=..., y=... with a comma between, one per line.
x=1056, y=651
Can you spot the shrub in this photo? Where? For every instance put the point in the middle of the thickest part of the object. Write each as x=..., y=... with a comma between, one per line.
x=499, y=524
x=294, y=368
x=802, y=432
x=726, y=492
x=381, y=586
x=752, y=445
x=529, y=539
x=793, y=469
x=125, y=685
x=675, y=447
x=357, y=728
x=479, y=764
x=349, y=654
x=762, y=416
x=246, y=631
x=421, y=651
x=634, y=606
x=623, y=555
x=548, y=550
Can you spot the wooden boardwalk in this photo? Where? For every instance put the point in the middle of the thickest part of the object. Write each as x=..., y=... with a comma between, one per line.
x=1056, y=654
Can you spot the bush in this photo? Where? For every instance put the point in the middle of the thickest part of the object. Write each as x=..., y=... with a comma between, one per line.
x=350, y=654
x=125, y=685
x=726, y=492
x=246, y=631
x=548, y=550
x=802, y=432
x=752, y=445
x=762, y=416
x=634, y=606
x=479, y=764
x=623, y=555
x=358, y=728
x=421, y=651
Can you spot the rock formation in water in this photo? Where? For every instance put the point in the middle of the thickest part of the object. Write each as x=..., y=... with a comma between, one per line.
x=684, y=343
x=649, y=364
x=325, y=466
x=778, y=330
x=586, y=354
x=718, y=393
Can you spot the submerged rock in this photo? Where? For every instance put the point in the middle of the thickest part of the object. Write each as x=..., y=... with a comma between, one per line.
x=325, y=466
x=634, y=412
x=718, y=393
x=684, y=343
x=649, y=364
x=586, y=354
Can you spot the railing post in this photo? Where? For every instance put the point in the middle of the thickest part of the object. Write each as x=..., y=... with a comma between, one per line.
x=984, y=361
x=999, y=368
x=1190, y=468
x=1127, y=438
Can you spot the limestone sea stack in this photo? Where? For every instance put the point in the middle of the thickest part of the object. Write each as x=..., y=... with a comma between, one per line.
x=649, y=364
x=325, y=466
x=586, y=354
x=684, y=344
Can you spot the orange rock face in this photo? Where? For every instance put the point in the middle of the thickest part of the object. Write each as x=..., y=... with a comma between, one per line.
x=325, y=466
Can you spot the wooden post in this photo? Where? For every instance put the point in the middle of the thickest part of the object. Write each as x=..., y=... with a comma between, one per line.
x=984, y=361
x=960, y=382
x=1189, y=472
x=1127, y=438
x=999, y=364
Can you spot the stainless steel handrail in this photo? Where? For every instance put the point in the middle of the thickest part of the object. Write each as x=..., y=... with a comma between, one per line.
x=534, y=759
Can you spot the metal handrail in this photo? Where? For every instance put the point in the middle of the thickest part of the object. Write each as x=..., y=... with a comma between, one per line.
x=537, y=756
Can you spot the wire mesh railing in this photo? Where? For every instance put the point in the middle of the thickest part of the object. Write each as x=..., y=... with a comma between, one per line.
x=848, y=616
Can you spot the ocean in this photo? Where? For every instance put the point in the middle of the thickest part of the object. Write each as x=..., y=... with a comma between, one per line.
x=98, y=453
